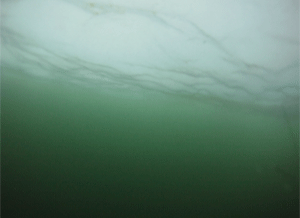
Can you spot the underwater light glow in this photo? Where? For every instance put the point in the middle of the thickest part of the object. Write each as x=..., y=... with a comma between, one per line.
x=244, y=51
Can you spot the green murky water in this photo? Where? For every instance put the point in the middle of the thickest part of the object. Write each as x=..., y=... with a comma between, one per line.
x=69, y=151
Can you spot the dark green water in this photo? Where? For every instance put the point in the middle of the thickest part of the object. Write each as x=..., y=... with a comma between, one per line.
x=74, y=152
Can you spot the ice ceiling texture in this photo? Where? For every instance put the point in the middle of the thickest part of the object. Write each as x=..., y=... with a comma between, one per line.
x=239, y=51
